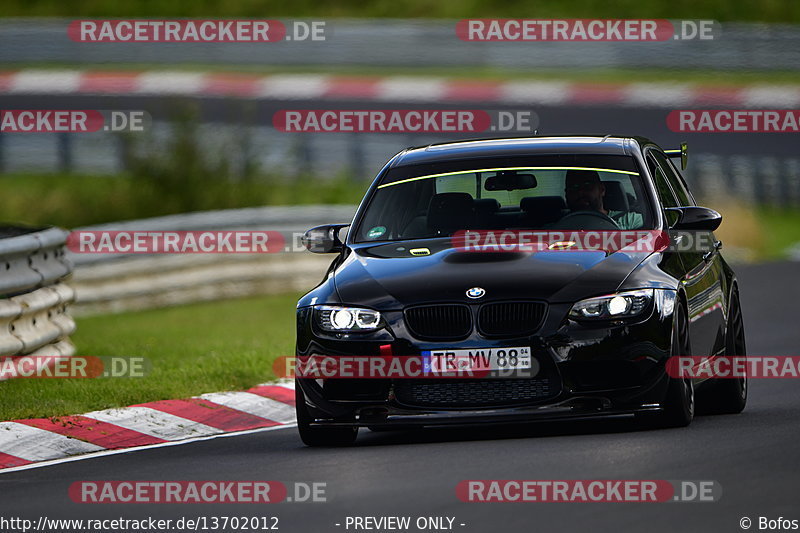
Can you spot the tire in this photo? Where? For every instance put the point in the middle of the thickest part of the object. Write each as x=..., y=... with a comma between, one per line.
x=679, y=403
x=729, y=395
x=320, y=436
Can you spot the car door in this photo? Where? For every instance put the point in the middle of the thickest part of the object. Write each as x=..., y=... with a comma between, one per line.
x=703, y=275
x=671, y=262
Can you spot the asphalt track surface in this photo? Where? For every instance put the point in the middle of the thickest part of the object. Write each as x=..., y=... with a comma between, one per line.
x=592, y=119
x=753, y=456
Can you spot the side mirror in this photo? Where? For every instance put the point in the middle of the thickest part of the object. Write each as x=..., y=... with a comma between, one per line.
x=693, y=218
x=324, y=239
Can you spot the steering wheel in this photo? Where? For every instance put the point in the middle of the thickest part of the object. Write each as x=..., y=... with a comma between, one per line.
x=592, y=220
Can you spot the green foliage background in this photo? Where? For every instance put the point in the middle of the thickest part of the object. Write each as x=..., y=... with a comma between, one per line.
x=779, y=11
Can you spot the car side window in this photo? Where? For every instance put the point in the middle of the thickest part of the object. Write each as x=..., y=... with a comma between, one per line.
x=664, y=191
x=675, y=181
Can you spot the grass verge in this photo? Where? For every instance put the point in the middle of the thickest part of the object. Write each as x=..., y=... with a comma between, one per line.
x=755, y=233
x=193, y=349
x=72, y=201
x=780, y=230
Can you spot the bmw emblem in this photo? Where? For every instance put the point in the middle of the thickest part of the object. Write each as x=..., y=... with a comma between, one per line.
x=475, y=292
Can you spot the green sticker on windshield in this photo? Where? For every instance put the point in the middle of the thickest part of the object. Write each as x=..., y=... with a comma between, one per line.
x=376, y=232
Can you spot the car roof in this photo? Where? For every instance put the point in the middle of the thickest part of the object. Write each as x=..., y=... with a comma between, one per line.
x=515, y=146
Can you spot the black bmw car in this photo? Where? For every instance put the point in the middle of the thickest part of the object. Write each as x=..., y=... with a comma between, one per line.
x=597, y=326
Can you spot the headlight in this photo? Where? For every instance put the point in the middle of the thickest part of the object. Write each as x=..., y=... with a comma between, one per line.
x=620, y=305
x=345, y=319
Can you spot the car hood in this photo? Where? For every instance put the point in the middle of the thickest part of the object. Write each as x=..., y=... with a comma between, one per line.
x=388, y=277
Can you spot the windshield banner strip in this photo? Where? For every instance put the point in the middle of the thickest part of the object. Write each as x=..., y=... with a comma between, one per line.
x=429, y=176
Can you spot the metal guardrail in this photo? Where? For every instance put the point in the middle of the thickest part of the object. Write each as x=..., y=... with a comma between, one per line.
x=110, y=283
x=33, y=296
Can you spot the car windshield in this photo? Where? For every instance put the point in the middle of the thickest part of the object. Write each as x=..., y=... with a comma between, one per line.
x=597, y=192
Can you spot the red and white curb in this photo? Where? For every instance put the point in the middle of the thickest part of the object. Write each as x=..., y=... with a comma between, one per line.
x=393, y=88
x=26, y=442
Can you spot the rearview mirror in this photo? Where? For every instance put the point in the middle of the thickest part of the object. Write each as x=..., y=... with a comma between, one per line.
x=324, y=239
x=510, y=181
x=694, y=218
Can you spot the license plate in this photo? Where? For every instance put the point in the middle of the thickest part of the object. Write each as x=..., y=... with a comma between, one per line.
x=476, y=360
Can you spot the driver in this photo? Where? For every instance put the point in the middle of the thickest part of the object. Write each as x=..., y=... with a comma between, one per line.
x=585, y=192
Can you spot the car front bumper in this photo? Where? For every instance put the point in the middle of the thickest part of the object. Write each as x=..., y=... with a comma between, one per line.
x=593, y=370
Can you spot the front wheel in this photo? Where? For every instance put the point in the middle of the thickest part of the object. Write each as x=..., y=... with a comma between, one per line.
x=319, y=436
x=679, y=403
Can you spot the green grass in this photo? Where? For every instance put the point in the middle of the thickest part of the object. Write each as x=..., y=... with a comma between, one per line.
x=755, y=233
x=732, y=78
x=784, y=11
x=75, y=200
x=193, y=349
x=780, y=229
